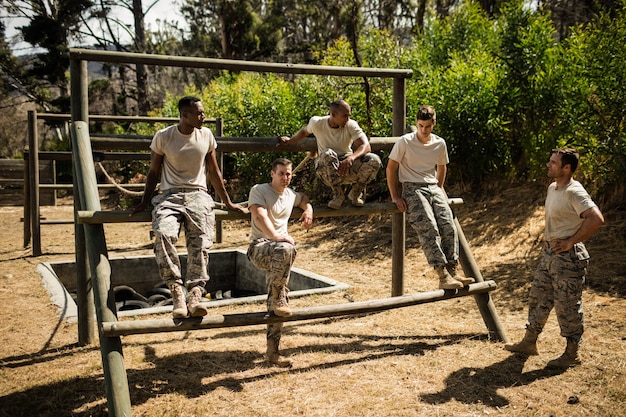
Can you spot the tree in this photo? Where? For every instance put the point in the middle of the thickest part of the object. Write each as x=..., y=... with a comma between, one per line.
x=230, y=29
x=108, y=36
x=591, y=113
x=51, y=25
x=567, y=14
x=527, y=92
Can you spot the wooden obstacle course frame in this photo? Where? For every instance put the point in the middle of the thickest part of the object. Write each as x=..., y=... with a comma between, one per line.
x=125, y=328
x=93, y=267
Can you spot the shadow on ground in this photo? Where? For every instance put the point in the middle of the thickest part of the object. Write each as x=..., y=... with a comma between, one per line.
x=480, y=385
x=183, y=373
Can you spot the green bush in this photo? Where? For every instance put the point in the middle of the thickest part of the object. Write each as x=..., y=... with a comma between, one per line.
x=505, y=92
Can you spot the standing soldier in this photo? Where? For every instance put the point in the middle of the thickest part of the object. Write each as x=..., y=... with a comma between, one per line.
x=571, y=218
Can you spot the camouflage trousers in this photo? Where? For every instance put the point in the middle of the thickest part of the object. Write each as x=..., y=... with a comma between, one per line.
x=363, y=170
x=194, y=212
x=276, y=259
x=430, y=215
x=558, y=283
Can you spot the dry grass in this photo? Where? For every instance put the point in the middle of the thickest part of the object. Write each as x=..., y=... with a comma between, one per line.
x=432, y=360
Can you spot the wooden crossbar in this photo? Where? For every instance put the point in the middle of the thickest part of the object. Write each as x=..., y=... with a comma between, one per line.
x=121, y=216
x=123, y=328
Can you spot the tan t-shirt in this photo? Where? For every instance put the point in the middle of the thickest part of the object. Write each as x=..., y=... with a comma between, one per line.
x=563, y=209
x=338, y=139
x=418, y=161
x=278, y=205
x=184, y=156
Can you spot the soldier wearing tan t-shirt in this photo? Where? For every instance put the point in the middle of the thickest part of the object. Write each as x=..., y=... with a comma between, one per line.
x=571, y=218
x=272, y=248
x=181, y=155
x=416, y=173
x=337, y=163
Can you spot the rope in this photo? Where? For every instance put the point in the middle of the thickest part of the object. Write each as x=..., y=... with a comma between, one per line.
x=119, y=187
x=111, y=180
x=309, y=155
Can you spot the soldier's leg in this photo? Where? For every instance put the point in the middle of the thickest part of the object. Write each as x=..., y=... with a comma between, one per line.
x=166, y=218
x=283, y=256
x=199, y=229
x=568, y=303
x=541, y=301
x=445, y=224
x=326, y=166
x=568, y=306
x=362, y=172
x=541, y=296
x=260, y=255
x=421, y=218
x=272, y=354
x=448, y=232
x=276, y=259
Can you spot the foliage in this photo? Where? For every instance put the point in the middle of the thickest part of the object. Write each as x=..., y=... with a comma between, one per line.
x=50, y=28
x=527, y=94
x=457, y=73
x=507, y=89
x=592, y=113
x=252, y=105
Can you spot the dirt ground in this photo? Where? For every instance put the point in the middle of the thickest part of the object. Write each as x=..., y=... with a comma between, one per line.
x=428, y=360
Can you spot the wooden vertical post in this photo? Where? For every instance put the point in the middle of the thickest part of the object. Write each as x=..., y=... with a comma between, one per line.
x=33, y=145
x=87, y=328
x=27, y=221
x=485, y=303
x=219, y=131
x=116, y=381
x=398, y=224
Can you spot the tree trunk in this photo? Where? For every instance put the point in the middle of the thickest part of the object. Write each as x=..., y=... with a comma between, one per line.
x=140, y=45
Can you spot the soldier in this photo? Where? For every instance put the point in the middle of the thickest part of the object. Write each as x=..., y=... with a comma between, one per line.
x=336, y=162
x=571, y=218
x=416, y=172
x=180, y=157
x=272, y=249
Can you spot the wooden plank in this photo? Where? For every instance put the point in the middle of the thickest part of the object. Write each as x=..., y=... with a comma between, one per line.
x=235, y=65
x=229, y=144
x=60, y=117
x=12, y=182
x=123, y=328
x=122, y=216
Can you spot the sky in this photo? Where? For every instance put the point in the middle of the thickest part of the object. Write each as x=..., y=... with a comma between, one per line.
x=162, y=10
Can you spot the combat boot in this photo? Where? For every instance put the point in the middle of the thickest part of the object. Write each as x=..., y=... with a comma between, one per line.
x=452, y=270
x=273, y=357
x=568, y=359
x=195, y=306
x=179, y=307
x=281, y=306
x=446, y=282
x=338, y=198
x=357, y=195
x=527, y=346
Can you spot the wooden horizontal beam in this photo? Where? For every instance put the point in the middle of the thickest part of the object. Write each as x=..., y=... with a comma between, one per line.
x=100, y=156
x=61, y=117
x=123, y=328
x=133, y=186
x=123, y=216
x=229, y=143
x=233, y=65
